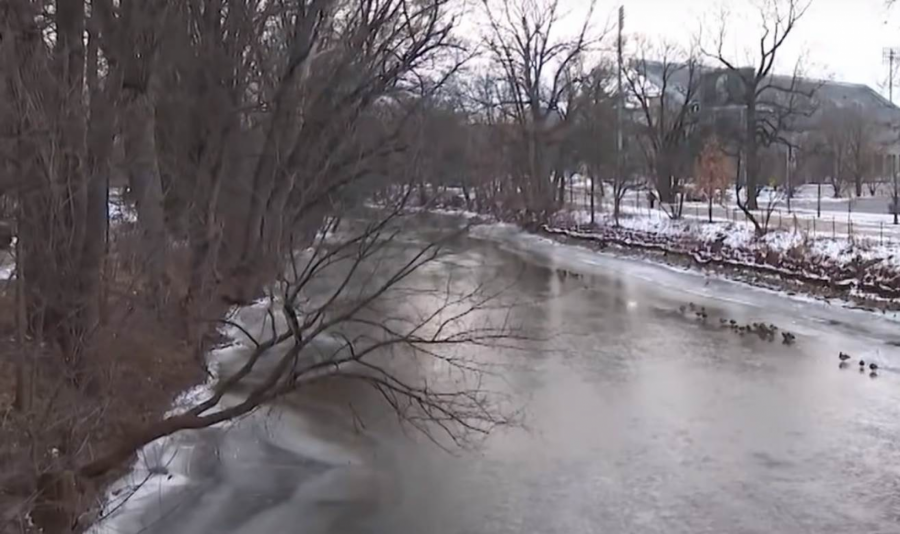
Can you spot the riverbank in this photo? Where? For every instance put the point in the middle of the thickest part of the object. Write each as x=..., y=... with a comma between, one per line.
x=864, y=275
x=633, y=410
x=859, y=272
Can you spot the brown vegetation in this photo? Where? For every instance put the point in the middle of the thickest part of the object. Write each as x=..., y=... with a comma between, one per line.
x=712, y=174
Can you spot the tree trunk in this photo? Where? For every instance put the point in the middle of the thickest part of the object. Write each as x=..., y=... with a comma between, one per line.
x=57, y=504
x=52, y=225
x=24, y=366
x=710, y=209
x=466, y=194
x=99, y=147
x=593, y=218
x=281, y=131
x=560, y=188
x=617, y=202
x=664, y=180
x=143, y=173
x=273, y=232
x=752, y=156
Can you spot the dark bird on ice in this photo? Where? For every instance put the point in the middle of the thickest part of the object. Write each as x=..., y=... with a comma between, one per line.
x=844, y=357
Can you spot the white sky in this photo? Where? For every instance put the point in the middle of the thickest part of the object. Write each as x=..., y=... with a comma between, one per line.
x=843, y=39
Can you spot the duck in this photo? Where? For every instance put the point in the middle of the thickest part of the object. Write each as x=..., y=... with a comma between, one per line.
x=788, y=338
x=843, y=357
x=682, y=308
x=862, y=363
x=873, y=366
x=732, y=322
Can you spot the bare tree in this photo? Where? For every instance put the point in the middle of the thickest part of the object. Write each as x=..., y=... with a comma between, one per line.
x=629, y=179
x=534, y=59
x=341, y=290
x=594, y=130
x=836, y=145
x=712, y=174
x=60, y=240
x=767, y=103
x=665, y=83
x=861, y=130
x=247, y=126
x=846, y=137
x=128, y=37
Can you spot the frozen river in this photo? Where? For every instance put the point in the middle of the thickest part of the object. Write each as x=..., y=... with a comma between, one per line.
x=638, y=419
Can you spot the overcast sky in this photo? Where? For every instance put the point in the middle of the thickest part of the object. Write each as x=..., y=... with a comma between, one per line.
x=843, y=39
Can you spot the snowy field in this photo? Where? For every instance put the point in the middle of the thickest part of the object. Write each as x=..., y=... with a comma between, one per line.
x=840, y=218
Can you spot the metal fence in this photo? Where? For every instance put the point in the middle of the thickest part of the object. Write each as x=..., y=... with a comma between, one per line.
x=831, y=225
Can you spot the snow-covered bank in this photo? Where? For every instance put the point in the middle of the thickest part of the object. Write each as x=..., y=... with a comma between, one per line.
x=282, y=460
x=7, y=265
x=837, y=267
x=841, y=250
x=222, y=463
x=866, y=273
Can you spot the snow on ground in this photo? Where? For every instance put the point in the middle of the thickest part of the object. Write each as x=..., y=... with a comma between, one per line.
x=840, y=250
x=868, y=215
x=120, y=210
x=163, y=466
x=7, y=265
x=447, y=211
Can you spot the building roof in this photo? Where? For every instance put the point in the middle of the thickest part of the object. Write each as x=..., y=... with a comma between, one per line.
x=838, y=94
x=719, y=88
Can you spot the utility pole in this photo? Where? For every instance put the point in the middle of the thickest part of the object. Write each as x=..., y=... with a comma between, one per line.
x=620, y=108
x=889, y=55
